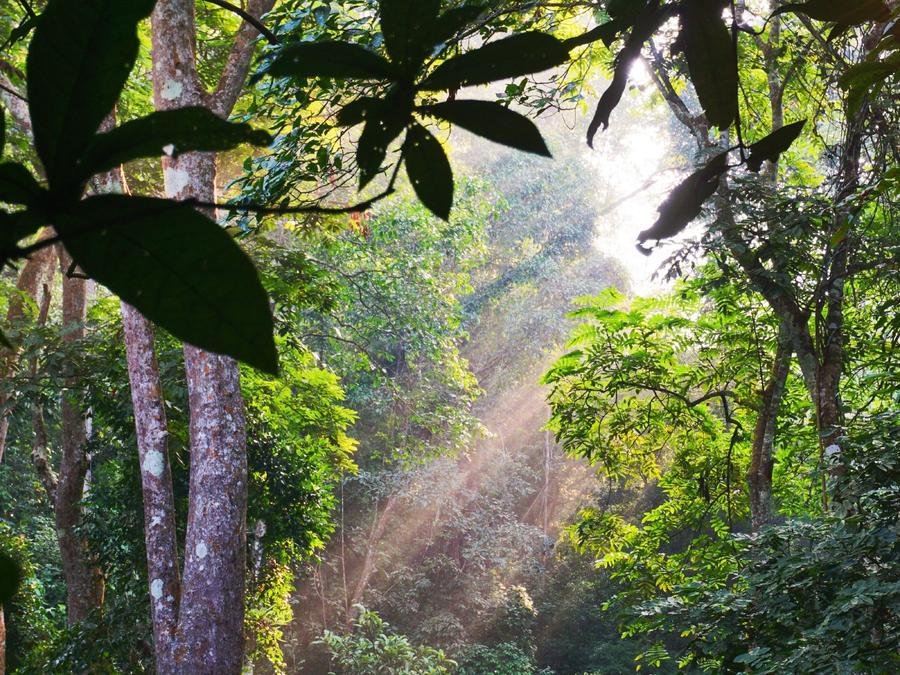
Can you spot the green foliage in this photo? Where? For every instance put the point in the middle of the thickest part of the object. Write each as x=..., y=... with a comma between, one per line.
x=810, y=595
x=373, y=649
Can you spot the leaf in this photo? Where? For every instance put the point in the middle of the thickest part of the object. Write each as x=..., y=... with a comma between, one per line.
x=428, y=170
x=605, y=32
x=373, y=143
x=179, y=268
x=407, y=26
x=170, y=132
x=493, y=122
x=771, y=146
x=517, y=55
x=866, y=77
x=78, y=61
x=17, y=185
x=453, y=21
x=684, y=202
x=2, y=130
x=646, y=25
x=712, y=63
x=844, y=12
x=328, y=58
x=359, y=110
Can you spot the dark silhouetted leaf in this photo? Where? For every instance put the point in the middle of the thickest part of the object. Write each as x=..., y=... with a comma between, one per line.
x=359, y=111
x=328, y=59
x=407, y=26
x=377, y=135
x=684, y=202
x=844, y=12
x=453, y=21
x=606, y=33
x=179, y=268
x=517, y=55
x=78, y=61
x=770, y=147
x=493, y=122
x=10, y=577
x=17, y=185
x=711, y=60
x=428, y=170
x=2, y=130
x=170, y=132
x=644, y=28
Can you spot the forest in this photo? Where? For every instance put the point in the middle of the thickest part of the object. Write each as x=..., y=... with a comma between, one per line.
x=432, y=337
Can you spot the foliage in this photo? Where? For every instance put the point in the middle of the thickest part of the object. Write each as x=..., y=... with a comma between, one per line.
x=810, y=595
x=372, y=649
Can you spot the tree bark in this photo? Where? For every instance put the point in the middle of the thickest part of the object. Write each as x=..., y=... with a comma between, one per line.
x=209, y=633
x=762, y=459
x=84, y=582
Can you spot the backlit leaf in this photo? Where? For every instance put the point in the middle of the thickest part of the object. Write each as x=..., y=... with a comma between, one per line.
x=179, y=268
x=170, y=132
x=770, y=147
x=328, y=58
x=517, y=55
x=493, y=122
x=79, y=59
x=684, y=202
x=428, y=170
x=17, y=185
x=407, y=26
x=844, y=12
x=711, y=60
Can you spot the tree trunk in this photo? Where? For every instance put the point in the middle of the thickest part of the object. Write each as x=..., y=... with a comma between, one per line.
x=762, y=460
x=84, y=582
x=209, y=634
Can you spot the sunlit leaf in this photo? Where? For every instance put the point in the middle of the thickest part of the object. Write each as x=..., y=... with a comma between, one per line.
x=493, y=122
x=78, y=61
x=179, y=268
x=428, y=170
x=517, y=55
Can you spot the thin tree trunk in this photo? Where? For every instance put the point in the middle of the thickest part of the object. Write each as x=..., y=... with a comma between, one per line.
x=762, y=459
x=84, y=582
x=29, y=283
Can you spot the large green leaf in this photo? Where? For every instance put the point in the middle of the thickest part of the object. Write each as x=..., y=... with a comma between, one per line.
x=771, y=146
x=169, y=132
x=711, y=60
x=868, y=78
x=493, y=122
x=684, y=202
x=407, y=26
x=428, y=170
x=844, y=12
x=517, y=55
x=78, y=61
x=328, y=58
x=178, y=267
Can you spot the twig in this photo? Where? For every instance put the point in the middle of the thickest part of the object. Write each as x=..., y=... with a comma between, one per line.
x=249, y=18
